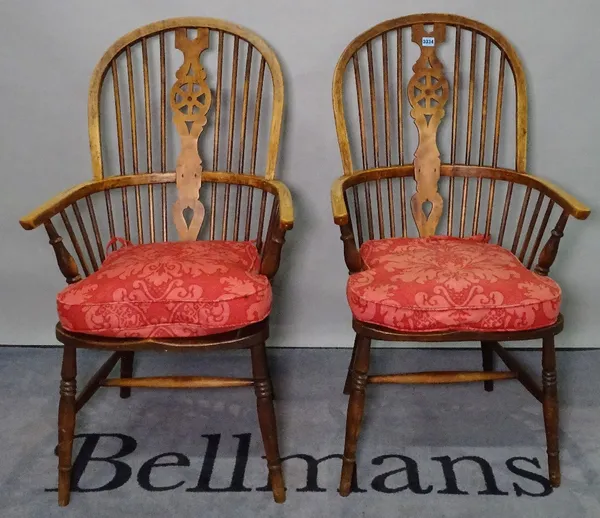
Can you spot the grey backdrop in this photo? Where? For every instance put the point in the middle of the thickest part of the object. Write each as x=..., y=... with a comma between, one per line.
x=48, y=51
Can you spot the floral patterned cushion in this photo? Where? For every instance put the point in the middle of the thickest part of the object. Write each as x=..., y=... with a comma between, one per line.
x=432, y=284
x=177, y=289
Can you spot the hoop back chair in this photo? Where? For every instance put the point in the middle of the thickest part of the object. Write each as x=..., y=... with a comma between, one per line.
x=456, y=243
x=166, y=101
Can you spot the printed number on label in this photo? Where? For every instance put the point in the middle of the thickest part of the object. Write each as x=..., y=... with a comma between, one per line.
x=428, y=41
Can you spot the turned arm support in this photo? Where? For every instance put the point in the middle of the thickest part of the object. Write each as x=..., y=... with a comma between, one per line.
x=339, y=207
x=66, y=263
x=550, y=250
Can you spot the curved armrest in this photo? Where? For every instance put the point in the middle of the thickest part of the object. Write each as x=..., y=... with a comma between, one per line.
x=339, y=186
x=563, y=199
x=275, y=187
x=60, y=202
x=567, y=202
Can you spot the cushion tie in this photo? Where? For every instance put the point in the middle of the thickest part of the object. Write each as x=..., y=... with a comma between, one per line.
x=117, y=239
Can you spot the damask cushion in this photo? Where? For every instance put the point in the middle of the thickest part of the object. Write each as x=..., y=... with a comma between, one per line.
x=180, y=289
x=432, y=284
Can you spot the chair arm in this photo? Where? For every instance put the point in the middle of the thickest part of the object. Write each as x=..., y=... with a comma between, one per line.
x=559, y=196
x=282, y=215
x=61, y=201
x=275, y=187
x=341, y=184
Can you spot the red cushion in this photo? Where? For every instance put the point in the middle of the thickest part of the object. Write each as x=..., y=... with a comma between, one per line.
x=178, y=289
x=418, y=285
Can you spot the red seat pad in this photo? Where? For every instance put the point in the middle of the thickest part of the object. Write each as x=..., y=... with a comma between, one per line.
x=442, y=284
x=180, y=289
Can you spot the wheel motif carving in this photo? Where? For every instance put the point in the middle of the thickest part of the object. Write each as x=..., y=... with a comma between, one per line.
x=190, y=102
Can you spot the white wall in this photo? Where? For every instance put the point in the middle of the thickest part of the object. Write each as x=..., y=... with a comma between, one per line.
x=48, y=51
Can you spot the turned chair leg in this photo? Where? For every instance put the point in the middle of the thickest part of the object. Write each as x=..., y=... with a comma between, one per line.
x=356, y=405
x=266, y=420
x=487, y=355
x=126, y=372
x=550, y=403
x=66, y=422
x=348, y=382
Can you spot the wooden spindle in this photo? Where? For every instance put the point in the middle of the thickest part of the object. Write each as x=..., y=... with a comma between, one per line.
x=471, y=97
x=118, y=114
x=163, y=134
x=499, y=100
x=257, y=108
x=363, y=144
x=453, y=144
x=399, y=83
x=483, y=132
x=496, y=144
x=242, y=142
x=232, y=106
x=484, y=102
x=390, y=192
x=386, y=100
x=120, y=144
x=540, y=234
x=111, y=218
x=361, y=112
x=84, y=234
x=66, y=263
x=147, y=108
x=213, y=187
x=95, y=228
x=477, y=205
x=75, y=242
x=370, y=226
x=373, y=105
x=134, y=142
x=387, y=128
x=456, y=88
x=548, y=253
x=531, y=226
x=490, y=207
x=521, y=221
x=505, y=212
x=358, y=215
x=450, y=205
x=463, y=206
x=132, y=110
x=403, y=206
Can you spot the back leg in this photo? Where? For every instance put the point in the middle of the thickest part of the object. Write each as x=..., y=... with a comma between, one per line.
x=126, y=372
x=487, y=356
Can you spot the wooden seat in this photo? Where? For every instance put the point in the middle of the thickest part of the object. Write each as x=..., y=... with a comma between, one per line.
x=184, y=124
x=462, y=111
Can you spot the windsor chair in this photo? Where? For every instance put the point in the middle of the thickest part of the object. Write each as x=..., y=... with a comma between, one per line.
x=152, y=95
x=472, y=262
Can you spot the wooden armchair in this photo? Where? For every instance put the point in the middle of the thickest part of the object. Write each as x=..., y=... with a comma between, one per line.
x=483, y=277
x=210, y=290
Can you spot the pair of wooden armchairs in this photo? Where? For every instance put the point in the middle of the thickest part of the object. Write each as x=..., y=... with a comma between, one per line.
x=131, y=288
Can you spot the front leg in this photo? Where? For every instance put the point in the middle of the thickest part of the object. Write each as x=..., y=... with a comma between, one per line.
x=66, y=422
x=550, y=403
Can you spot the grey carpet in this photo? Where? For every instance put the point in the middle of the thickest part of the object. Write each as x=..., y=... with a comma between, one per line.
x=502, y=433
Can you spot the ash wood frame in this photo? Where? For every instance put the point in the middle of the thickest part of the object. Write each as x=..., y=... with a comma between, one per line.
x=251, y=337
x=358, y=372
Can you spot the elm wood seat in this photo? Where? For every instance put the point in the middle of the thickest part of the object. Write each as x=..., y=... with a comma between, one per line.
x=229, y=88
x=466, y=183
